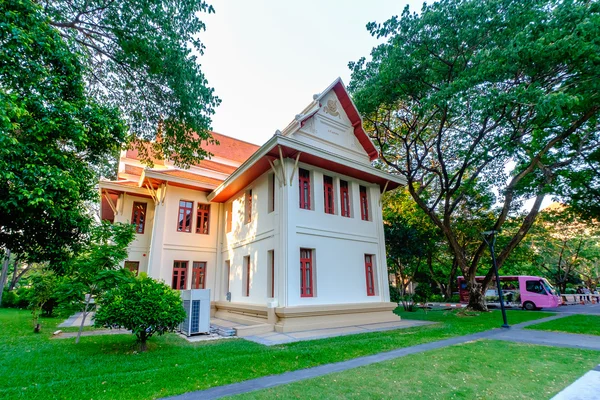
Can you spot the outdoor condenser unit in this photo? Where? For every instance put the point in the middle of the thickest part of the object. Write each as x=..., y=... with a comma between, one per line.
x=196, y=303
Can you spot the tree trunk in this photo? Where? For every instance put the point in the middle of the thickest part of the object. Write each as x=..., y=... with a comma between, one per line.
x=476, y=297
x=85, y=313
x=4, y=273
x=143, y=339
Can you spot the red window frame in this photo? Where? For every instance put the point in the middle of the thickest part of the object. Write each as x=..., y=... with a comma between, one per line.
x=202, y=218
x=199, y=275
x=306, y=273
x=345, y=199
x=133, y=266
x=248, y=205
x=328, y=194
x=138, y=216
x=184, y=216
x=304, y=188
x=179, y=280
x=364, y=204
x=248, y=268
x=369, y=275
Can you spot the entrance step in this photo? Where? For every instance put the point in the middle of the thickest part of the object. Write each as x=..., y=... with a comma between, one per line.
x=250, y=330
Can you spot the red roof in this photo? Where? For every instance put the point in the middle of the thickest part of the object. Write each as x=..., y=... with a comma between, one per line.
x=230, y=148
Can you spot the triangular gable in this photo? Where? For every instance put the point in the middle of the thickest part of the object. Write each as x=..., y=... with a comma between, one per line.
x=335, y=108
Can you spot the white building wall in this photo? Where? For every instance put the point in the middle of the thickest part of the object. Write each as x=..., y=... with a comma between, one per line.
x=339, y=244
x=140, y=246
x=252, y=239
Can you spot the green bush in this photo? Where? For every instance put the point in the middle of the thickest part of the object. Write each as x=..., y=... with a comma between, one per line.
x=9, y=299
x=144, y=306
x=394, y=295
x=423, y=293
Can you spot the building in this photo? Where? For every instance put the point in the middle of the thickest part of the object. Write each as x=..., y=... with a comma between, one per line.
x=288, y=236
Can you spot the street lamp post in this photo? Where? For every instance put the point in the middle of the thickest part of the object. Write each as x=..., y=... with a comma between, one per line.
x=492, y=236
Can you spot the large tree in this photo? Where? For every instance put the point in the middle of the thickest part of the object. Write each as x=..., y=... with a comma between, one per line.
x=141, y=57
x=50, y=134
x=492, y=99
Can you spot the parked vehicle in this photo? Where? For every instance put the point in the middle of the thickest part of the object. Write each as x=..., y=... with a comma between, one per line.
x=531, y=292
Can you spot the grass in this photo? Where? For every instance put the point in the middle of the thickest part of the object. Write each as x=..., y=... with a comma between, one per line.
x=582, y=324
x=486, y=369
x=109, y=367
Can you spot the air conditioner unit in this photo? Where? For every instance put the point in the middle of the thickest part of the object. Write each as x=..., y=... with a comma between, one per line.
x=196, y=303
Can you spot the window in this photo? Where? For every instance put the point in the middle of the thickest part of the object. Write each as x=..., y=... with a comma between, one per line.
x=271, y=273
x=248, y=205
x=304, y=180
x=345, y=199
x=229, y=211
x=199, y=275
x=328, y=192
x=184, y=222
x=133, y=266
x=227, y=275
x=364, y=204
x=138, y=216
x=369, y=275
x=535, y=287
x=271, y=192
x=179, y=275
x=202, y=218
x=306, y=273
x=247, y=268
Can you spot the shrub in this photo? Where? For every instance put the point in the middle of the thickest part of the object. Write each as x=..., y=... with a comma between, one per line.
x=144, y=306
x=9, y=299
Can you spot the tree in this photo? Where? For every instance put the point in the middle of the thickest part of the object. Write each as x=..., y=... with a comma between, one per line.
x=144, y=306
x=97, y=268
x=43, y=287
x=141, y=57
x=564, y=246
x=51, y=133
x=491, y=101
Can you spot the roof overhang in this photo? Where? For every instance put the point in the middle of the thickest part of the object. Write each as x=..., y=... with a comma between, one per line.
x=118, y=187
x=155, y=178
x=258, y=164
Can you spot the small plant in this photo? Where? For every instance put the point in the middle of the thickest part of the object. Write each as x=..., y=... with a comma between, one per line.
x=144, y=306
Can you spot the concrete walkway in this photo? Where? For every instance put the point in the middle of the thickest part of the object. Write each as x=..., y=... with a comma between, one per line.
x=275, y=338
x=585, y=388
x=515, y=334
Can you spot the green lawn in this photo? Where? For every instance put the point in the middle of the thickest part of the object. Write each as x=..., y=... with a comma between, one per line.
x=34, y=366
x=583, y=324
x=486, y=369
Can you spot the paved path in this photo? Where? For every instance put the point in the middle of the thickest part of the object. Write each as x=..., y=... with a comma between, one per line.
x=585, y=388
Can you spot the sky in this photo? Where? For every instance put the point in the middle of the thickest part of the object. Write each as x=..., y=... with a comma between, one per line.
x=266, y=58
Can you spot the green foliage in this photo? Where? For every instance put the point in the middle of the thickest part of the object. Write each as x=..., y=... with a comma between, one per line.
x=9, y=299
x=51, y=133
x=423, y=293
x=144, y=306
x=481, y=105
x=141, y=56
x=41, y=296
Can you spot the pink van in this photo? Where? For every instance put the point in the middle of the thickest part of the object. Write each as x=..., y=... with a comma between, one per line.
x=531, y=292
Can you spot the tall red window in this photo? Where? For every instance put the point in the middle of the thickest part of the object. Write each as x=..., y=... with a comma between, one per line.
x=304, y=180
x=364, y=204
x=248, y=268
x=138, y=216
x=198, y=275
x=328, y=193
x=184, y=218
x=306, y=273
x=345, y=199
x=369, y=275
x=179, y=275
x=133, y=266
x=202, y=217
x=249, y=206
